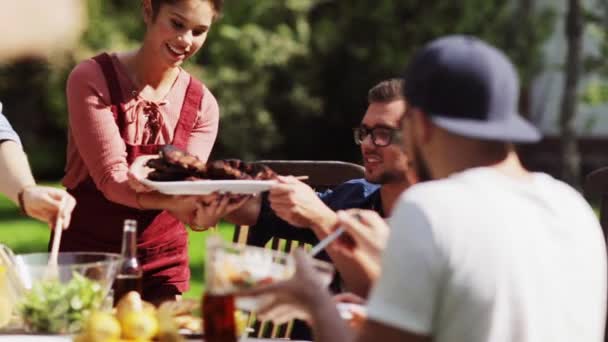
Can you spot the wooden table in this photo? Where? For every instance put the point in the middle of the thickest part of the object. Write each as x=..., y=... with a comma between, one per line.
x=58, y=338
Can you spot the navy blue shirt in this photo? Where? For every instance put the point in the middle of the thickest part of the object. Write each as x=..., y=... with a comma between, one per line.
x=356, y=193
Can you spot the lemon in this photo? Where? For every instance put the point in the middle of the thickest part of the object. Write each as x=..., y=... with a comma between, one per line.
x=240, y=319
x=139, y=325
x=129, y=303
x=102, y=326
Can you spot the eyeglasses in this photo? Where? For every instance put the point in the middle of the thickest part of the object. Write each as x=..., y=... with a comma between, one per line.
x=381, y=136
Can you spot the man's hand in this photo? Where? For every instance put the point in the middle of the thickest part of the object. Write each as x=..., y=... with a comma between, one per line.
x=349, y=297
x=299, y=205
x=302, y=293
x=365, y=238
x=44, y=203
x=352, y=309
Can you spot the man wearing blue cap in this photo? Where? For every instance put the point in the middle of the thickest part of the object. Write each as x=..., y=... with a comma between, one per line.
x=487, y=251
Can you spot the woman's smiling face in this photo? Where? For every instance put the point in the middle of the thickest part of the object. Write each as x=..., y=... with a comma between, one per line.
x=179, y=29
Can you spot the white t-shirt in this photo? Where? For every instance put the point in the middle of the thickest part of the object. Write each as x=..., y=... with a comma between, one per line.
x=480, y=256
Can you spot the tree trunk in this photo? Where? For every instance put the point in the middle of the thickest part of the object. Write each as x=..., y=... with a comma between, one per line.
x=525, y=26
x=571, y=159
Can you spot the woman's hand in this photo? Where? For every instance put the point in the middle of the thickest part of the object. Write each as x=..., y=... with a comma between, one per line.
x=183, y=208
x=211, y=208
x=138, y=171
x=44, y=203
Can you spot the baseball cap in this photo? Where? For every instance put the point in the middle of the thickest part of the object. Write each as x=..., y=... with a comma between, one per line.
x=468, y=88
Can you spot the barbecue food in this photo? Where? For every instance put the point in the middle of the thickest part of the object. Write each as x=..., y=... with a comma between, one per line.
x=174, y=164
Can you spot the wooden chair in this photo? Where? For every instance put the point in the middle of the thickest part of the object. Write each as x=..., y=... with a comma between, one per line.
x=596, y=185
x=322, y=175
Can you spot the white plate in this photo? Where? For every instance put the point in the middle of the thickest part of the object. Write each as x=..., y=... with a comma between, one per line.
x=204, y=187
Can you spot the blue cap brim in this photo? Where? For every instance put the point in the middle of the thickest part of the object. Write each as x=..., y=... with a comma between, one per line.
x=515, y=129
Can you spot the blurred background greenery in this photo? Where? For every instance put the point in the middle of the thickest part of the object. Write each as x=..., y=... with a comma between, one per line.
x=291, y=77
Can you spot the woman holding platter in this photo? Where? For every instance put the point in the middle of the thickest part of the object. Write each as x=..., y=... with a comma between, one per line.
x=127, y=104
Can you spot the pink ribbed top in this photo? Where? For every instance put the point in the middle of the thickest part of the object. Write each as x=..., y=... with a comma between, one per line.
x=95, y=146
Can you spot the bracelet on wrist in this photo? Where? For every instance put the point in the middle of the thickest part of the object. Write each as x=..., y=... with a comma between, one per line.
x=198, y=228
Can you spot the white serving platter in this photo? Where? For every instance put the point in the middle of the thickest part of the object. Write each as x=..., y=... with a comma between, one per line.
x=205, y=187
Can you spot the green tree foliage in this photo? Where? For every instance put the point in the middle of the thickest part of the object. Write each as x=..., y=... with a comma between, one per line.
x=291, y=76
x=596, y=26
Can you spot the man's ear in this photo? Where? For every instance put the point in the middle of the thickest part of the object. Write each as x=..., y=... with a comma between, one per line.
x=422, y=125
x=148, y=13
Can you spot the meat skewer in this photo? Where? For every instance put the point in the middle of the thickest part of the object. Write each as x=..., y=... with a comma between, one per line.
x=175, y=164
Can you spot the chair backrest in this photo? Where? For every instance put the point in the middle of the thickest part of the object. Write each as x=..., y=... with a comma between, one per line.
x=596, y=184
x=322, y=175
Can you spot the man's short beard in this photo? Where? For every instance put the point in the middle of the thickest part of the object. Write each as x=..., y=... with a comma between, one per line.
x=388, y=177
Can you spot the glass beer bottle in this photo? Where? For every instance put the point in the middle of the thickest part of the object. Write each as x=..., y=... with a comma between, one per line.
x=129, y=277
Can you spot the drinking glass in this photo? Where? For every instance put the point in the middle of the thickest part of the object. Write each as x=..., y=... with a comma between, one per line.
x=232, y=268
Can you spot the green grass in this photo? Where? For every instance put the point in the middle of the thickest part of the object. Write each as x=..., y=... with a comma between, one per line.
x=25, y=235
x=196, y=250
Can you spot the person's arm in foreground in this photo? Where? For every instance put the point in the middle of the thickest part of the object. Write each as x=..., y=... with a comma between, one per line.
x=40, y=202
x=373, y=331
x=299, y=205
x=306, y=293
x=363, y=242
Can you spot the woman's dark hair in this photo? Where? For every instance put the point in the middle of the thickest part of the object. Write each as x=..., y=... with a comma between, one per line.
x=156, y=4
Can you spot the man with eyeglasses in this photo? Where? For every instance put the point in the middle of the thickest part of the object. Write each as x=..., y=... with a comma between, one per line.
x=292, y=210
